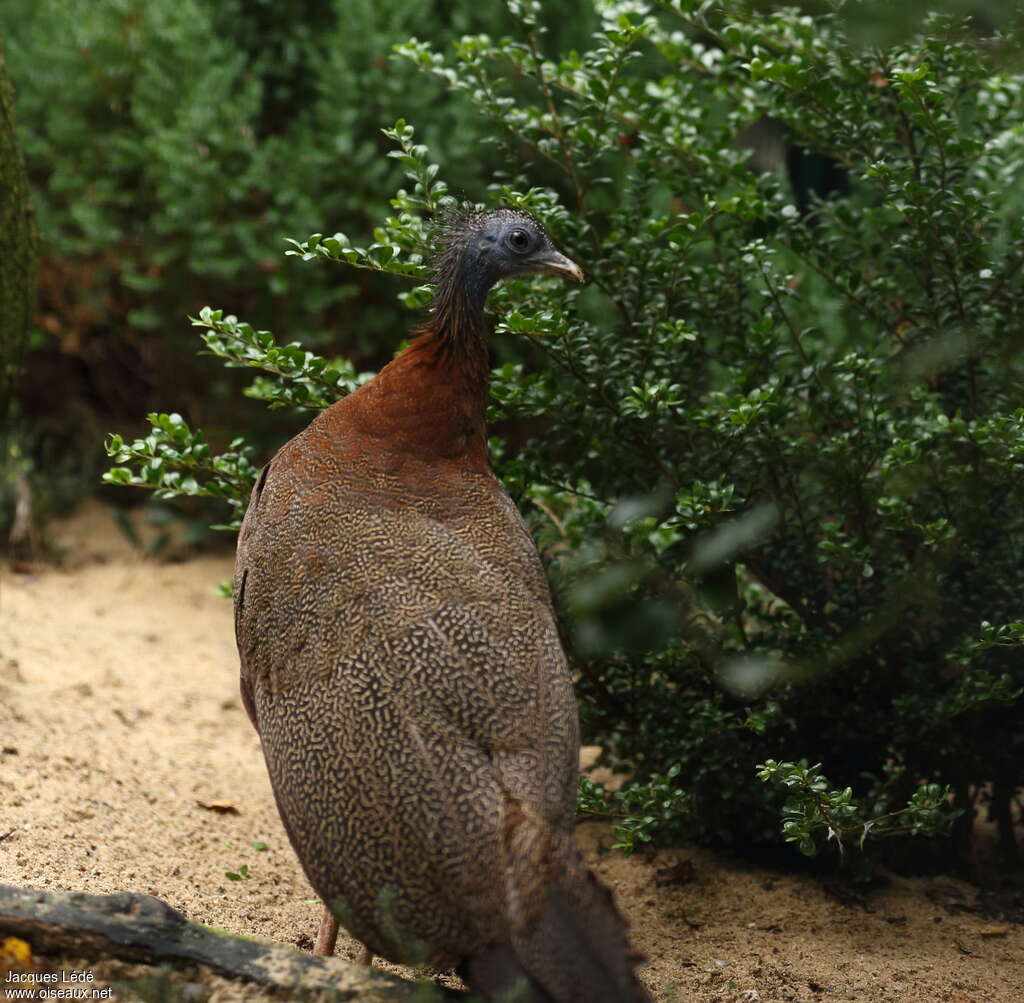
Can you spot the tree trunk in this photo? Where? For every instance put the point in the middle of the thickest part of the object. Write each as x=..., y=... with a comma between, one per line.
x=18, y=252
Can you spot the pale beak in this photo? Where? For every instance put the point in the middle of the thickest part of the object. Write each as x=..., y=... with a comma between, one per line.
x=556, y=263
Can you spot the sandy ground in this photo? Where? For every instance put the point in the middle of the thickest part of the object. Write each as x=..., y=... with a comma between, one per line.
x=119, y=714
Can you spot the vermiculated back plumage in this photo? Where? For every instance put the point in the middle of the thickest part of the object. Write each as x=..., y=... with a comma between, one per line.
x=401, y=661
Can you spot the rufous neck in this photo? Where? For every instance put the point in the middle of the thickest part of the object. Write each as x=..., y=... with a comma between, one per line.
x=431, y=400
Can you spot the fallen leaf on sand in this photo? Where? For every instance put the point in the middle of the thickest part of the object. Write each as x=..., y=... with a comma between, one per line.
x=17, y=951
x=221, y=807
x=678, y=873
x=15, y=956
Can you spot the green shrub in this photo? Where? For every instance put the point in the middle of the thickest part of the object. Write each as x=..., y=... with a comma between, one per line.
x=172, y=146
x=175, y=144
x=774, y=450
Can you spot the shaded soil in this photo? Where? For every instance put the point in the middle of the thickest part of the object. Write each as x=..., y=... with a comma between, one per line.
x=120, y=719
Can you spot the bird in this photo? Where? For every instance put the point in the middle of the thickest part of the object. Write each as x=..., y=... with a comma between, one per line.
x=402, y=665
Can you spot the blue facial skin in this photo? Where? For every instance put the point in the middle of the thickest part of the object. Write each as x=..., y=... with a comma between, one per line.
x=509, y=245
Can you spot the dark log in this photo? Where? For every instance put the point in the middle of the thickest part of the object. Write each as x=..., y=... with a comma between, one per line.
x=142, y=928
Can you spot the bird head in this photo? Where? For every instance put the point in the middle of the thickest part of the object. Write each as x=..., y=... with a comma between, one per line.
x=507, y=242
x=481, y=248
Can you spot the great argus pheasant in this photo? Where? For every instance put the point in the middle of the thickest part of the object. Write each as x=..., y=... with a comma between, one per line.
x=401, y=663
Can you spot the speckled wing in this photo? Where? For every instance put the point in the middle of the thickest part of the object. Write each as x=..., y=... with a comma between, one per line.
x=401, y=662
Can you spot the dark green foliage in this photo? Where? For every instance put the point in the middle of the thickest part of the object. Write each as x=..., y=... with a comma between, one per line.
x=176, y=143
x=640, y=811
x=202, y=134
x=172, y=145
x=300, y=379
x=811, y=808
x=773, y=453
x=174, y=461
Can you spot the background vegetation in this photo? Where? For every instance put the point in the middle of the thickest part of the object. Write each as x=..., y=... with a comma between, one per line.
x=773, y=452
x=172, y=146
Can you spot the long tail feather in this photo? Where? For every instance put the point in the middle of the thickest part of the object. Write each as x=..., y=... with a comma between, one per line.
x=568, y=941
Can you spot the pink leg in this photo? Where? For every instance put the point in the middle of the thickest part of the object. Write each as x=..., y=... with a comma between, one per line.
x=327, y=935
x=327, y=938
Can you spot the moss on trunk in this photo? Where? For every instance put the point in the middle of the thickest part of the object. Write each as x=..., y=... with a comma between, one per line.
x=18, y=250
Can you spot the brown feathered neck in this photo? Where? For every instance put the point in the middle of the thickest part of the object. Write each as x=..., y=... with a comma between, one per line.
x=430, y=401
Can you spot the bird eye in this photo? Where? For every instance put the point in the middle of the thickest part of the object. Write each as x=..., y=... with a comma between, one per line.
x=519, y=239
